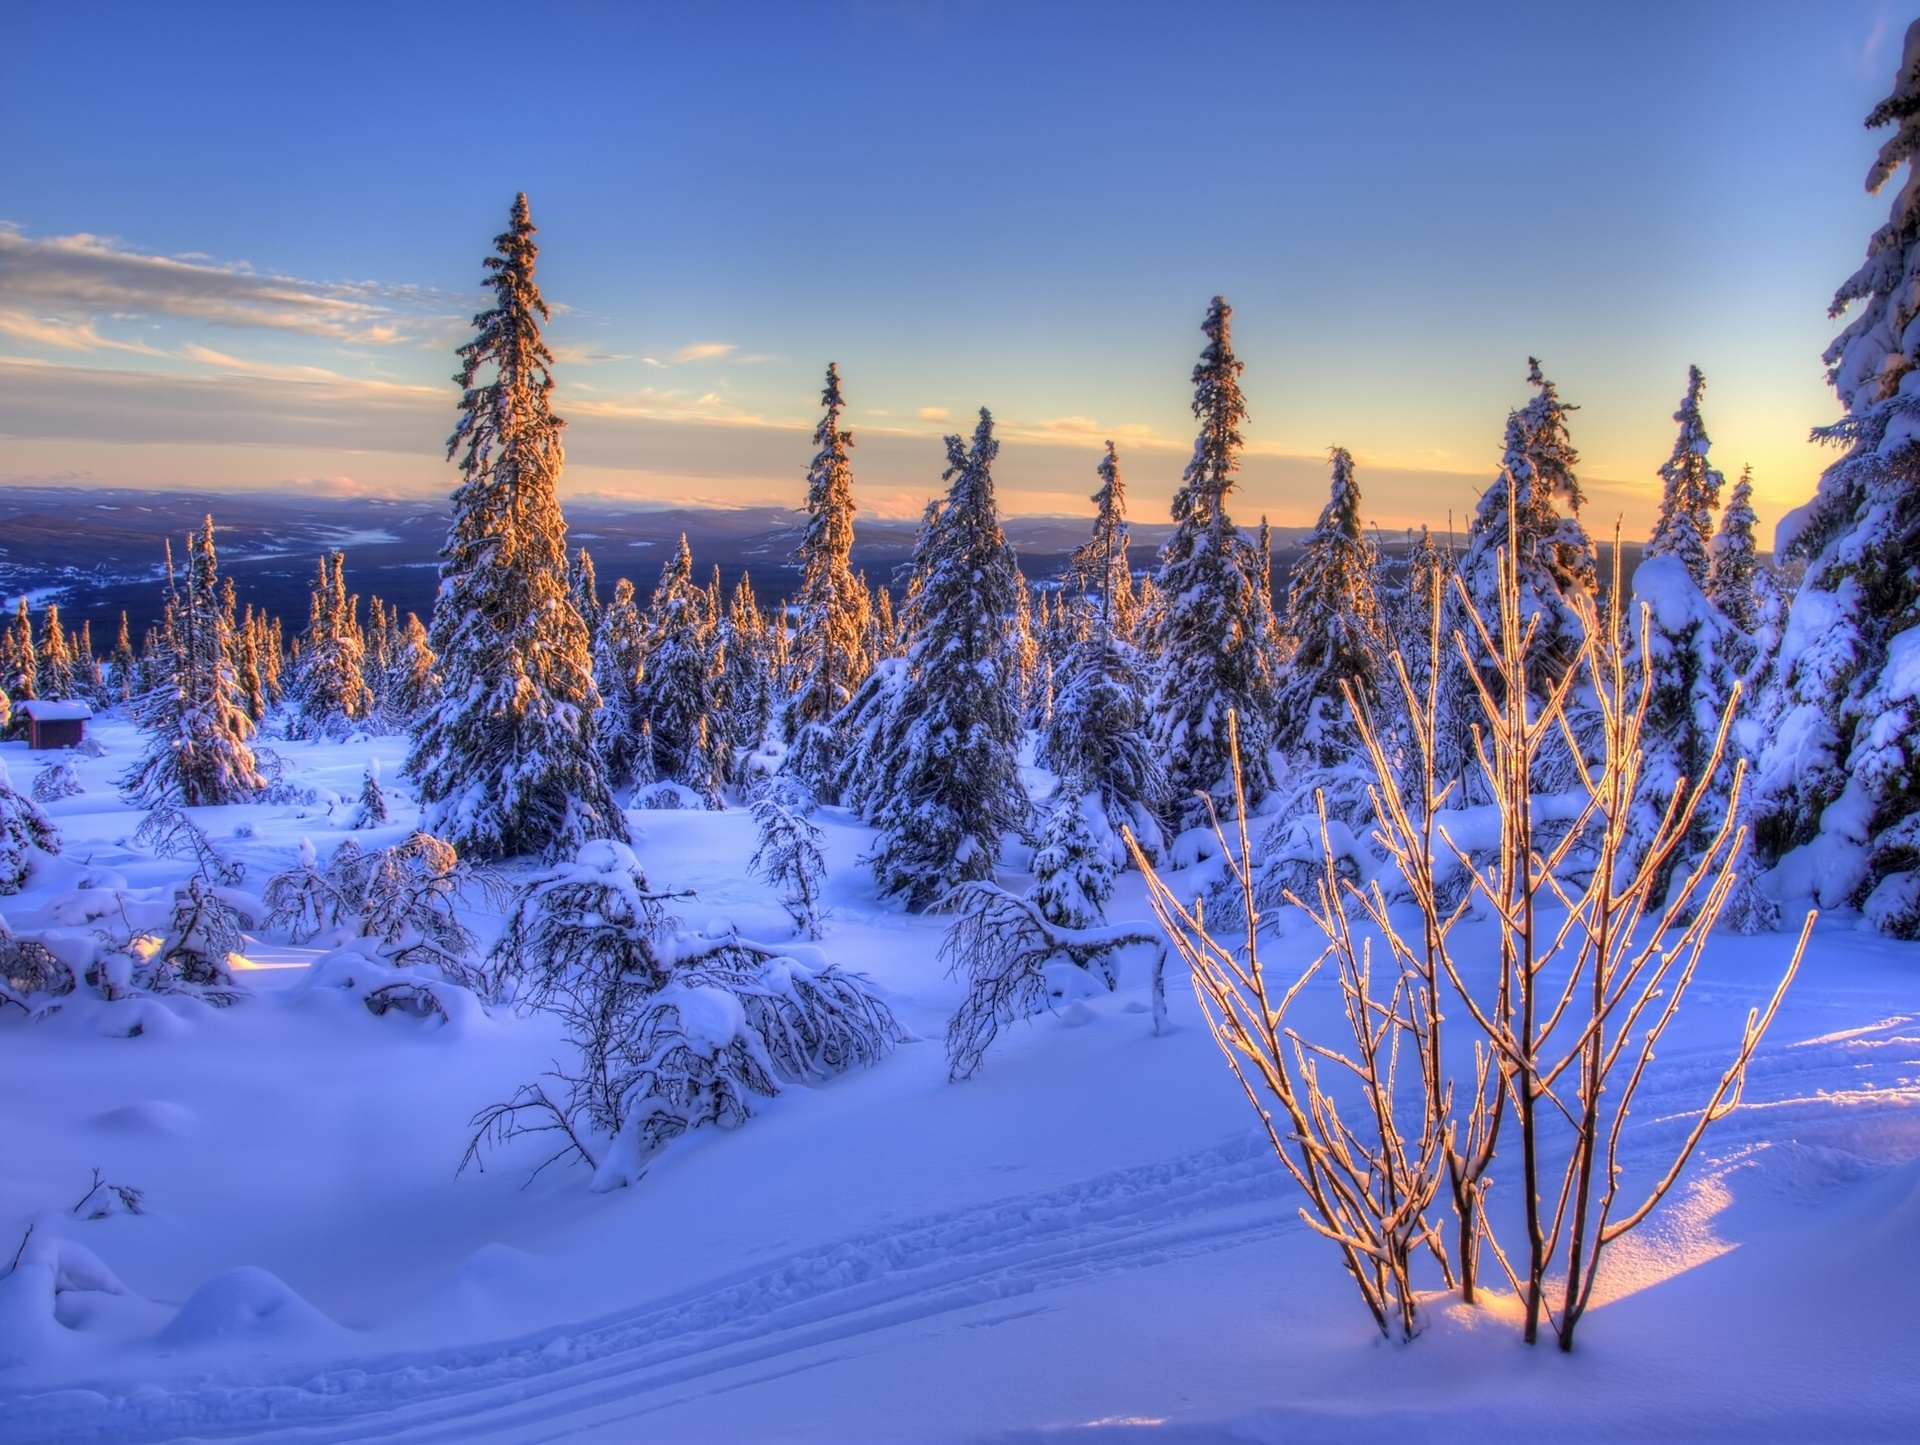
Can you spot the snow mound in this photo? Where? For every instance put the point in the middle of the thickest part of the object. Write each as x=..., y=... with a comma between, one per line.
x=250, y=1303
x=149, y=1117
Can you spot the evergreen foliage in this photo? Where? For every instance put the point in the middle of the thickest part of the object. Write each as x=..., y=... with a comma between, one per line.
x=331, y=685
x=1690, y=489
x=619, y=654
x=1334, y=618
x=58, y=678
x=788, y=854
x=1073, y=878
x=1553, y=554
x=1733, y=562
x=504, y=759
x=832, y=607
x=678, y=695
x=23, y=827
x=951, y=776
x=1213, y=635
x=1838, y=795
x=193, y=711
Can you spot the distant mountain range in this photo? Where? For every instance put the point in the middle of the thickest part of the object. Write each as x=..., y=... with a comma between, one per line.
x=98, y=551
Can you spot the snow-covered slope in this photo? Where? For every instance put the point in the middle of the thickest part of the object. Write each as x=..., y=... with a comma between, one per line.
x=1089, y=1236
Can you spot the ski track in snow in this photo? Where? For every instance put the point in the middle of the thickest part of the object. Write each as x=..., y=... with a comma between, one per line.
x=669, y=1350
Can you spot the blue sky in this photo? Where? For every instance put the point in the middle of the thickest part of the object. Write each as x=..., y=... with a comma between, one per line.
x=243, y=241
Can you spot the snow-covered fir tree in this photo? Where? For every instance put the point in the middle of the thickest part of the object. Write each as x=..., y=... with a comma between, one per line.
x=505, y=760
x=1073, y=877
x=584, y=585
x=1099, y=566
x=1096, y=740
x=747, y=683
x=413, y=681
x=1839, y=778
x=1690, y=489
x=23, y=828
x=194, y=714
x=371, y=812
x=1554, y=557
x=678, y=696
x=788, y=854
x=121, y=663
x=619, y=654
x=57, y=676
x=831, y=651
x=1334, y=618
x=952, y=781
x=331, y=687
x=1733, y=560
x=22, y=656
x=1214, y=635
x=1690, y=680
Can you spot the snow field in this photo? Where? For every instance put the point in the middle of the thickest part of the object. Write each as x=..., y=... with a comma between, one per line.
x=1088, y=1236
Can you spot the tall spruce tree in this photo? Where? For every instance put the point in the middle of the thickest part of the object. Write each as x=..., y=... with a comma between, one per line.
x=1689, y=677
x=331, y=688
x=505, y=760
x=831, y=656
x=678, y=698
x=1690, y=489
x=1214, y=634
x=23, y=657
x=57, y=677
x=1839, y=778
x=194, y=714
x=1096, y=738
x=1334, y=618
x=1733, y=559
x=953, y=780
x=1554, y=557
x=619, y=656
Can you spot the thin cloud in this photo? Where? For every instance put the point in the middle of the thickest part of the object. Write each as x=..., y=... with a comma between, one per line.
x=931, y=413
x=64, y=335
x=82, y=277
x=704, y=351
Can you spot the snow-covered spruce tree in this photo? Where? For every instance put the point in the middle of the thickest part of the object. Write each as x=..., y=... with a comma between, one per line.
x=1554, y=555
x=1099, y=566
x=674, y=1031
x=584, y=586
x=1096, y=740
x=746, y=683
x=193, y=714
x=121, y=664
x=1689, y=681
x=788, y=855
x=23, y=827
x=1839, y=777
x=1733, y=560
x=57, y=677
x=952, y=780
x=1214, y=637
x=371, y=811
x=1334, y=619
x=1072, y=879
x=1690, y=489
x=505, y=760
x=330, y=689
x=22, y=658
x=831, y=655
x=413, y=681
x=677, y=698
x=619, y=654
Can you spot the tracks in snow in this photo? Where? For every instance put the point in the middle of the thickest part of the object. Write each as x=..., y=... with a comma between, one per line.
x=1209, y=1200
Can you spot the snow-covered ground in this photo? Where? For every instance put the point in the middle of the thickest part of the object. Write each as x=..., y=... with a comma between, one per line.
x=1089, y=1237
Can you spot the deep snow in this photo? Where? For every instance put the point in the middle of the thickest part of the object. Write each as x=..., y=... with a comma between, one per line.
x=1089, y=1236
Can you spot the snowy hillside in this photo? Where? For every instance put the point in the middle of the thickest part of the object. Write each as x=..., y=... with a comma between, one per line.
x=1090, y=1233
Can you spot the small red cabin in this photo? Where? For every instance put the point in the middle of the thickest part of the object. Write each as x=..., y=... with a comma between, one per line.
x=55, y=723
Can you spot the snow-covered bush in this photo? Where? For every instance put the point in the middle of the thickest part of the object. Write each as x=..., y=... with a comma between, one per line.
x=23, y=828
x=54, y=782
x=673, y=1030
x=404, y=898
x=192, y=958
x=29, y=970
x=1001, y=945
x=372, y=809
x=170, y=833
x=788, y=856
